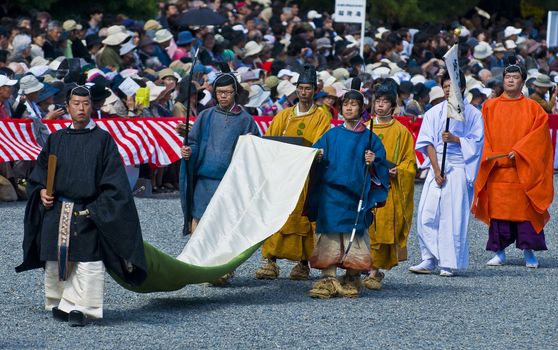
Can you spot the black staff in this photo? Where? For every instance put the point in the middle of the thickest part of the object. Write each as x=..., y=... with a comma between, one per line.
x=445, y=150
x=189, y=180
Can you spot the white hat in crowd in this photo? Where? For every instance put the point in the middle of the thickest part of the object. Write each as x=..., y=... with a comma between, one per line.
x=252, y=48
x=29, y=84
x=435, y=93
x=116, y=35
x=285, y=88
x=5, y=81
x=285, y=72
x=70, y=25
x=162, y=35
x=482, y=50
x=313, y=14
x=510, y=30
x=258, y=95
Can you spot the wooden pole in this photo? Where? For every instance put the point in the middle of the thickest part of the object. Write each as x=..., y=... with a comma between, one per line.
x=442, y=172
x=189, y=180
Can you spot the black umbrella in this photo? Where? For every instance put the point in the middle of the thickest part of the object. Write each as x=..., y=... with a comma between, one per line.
x=200, y=17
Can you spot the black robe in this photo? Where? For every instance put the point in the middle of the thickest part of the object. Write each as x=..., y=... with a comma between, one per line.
x=90, y=173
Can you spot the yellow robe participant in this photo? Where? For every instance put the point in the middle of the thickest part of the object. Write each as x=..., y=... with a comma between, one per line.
x=389, y=232
x=295, y=240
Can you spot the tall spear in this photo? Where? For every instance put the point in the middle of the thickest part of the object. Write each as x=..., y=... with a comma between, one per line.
x=355, y=85
x=186, y=162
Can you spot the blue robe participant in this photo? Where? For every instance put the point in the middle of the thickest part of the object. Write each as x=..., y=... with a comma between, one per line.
x=212, y=140
x=341, y=176
x=352, y=179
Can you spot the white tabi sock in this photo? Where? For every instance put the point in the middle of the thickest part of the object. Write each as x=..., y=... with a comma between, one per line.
x=424, y=266
x=499, y=259
x=445, y=272
x=531, y=260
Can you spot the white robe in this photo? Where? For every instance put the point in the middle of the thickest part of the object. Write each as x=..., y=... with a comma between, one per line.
x=443, y=213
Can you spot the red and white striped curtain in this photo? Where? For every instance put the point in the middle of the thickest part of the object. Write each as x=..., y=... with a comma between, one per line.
x=140, y=140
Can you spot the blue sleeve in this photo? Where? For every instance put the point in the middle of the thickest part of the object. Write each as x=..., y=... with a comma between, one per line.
x=195, y=135
x=253, y=127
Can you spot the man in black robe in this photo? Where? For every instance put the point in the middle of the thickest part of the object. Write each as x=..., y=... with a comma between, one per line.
x=89, y=223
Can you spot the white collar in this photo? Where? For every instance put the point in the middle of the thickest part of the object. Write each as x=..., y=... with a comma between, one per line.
x=299, y=113
x=89, y=125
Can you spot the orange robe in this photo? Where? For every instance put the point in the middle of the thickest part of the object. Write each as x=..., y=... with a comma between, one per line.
x=295, y=240
x=520, y=189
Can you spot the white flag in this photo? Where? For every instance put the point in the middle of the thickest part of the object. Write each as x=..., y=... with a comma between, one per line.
x=456, y=108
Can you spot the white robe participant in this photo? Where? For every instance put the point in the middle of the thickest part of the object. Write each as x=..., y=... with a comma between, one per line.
x=443, y=212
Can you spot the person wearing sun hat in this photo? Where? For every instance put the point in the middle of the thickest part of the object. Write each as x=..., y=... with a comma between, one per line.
x=45, y=101
x=6, y=88
x=165, y=39
x=542, y=85
x=482, y=52
x=74, y=47
x=29, y=90
x=157, y=50
x=109, y=56
x=511, y=33
x=128, y=55
x=330, y=101
x=26, y=106
x=252, y=50
x=184, y=45
x=152, y=25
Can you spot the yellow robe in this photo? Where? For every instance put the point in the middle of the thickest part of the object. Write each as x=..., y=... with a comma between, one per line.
x=389, y=232
x=295, y=240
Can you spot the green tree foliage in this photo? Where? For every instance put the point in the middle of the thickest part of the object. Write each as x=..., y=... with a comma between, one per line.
x=417, y=12
x=140, y=9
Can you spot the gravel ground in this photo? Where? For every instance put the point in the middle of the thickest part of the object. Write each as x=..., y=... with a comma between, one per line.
x=510, y=307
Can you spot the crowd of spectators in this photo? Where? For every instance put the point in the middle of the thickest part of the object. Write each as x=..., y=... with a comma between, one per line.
x=266, y=45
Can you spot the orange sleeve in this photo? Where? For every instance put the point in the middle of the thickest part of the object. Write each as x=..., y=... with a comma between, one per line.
x=534, y=161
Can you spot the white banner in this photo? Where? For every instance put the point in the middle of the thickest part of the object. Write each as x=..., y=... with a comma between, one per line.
x=253, y=201
x=455, y=100
x=552, y=29
x=350, y=11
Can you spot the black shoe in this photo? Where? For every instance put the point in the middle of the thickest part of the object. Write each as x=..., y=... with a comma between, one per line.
x=76, y=319
x=59, y=314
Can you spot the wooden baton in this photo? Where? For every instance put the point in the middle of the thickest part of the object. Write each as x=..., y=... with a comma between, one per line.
x=51, y=172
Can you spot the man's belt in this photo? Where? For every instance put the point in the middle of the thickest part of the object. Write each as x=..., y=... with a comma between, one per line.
x=64, y=239
x=64, y=228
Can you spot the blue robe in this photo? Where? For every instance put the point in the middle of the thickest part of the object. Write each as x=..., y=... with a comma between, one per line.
x=339, y=181
x=212, y=139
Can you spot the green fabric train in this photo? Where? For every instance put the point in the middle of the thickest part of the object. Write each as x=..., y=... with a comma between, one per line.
x=259, y=191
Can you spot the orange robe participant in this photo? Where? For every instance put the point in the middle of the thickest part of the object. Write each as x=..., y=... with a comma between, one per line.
x=513, y=192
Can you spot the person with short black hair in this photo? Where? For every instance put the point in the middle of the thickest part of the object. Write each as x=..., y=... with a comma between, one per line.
x=211, y=144
x=351, y=180
x=95, y=20
x=515, y=187
x=295, y=240
x=445, y=202
x=389, y=234
x=69, y=232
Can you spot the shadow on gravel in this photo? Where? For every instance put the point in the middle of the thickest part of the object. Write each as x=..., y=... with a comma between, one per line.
x=515, y=268
x=421, y=290
x=217, y=297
